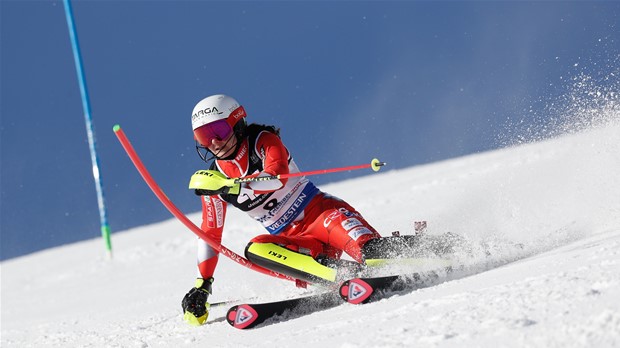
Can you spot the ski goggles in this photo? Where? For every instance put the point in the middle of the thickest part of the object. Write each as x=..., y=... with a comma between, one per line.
x=218, y=130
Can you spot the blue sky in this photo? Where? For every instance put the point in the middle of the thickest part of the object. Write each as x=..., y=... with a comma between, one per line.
x=407, y=82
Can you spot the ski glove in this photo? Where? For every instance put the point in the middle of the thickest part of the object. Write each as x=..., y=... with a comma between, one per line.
x=195, y=305
x=212, y=182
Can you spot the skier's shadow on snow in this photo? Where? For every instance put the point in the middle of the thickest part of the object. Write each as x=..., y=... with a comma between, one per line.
x=302, y=310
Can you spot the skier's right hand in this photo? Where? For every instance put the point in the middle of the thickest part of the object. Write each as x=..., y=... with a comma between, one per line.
x=212, y=182
x=195, y=305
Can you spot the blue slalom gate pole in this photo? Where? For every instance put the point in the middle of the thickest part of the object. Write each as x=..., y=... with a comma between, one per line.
x=105, y=228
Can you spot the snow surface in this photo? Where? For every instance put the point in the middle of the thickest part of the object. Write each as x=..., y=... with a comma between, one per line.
x=548, y=213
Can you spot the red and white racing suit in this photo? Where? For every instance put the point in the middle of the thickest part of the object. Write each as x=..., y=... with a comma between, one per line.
x=294, y=211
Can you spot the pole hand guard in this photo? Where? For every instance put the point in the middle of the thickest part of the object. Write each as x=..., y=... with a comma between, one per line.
x=213, y=182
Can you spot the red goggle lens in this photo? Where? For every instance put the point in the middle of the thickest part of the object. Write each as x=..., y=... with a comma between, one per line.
x=218, y=130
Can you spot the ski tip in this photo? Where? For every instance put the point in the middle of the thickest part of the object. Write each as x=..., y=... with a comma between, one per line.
x=356, y=291
x=242, y=317
x=116, y=128
x=231, y=314
x=344, y=291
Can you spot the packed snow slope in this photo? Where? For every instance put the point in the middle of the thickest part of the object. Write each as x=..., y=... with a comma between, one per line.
x=548, y=213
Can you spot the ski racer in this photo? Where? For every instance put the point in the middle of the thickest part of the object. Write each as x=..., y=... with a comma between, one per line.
x=308, y=226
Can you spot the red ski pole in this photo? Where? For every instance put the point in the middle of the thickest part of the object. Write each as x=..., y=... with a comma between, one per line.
x=375, y=165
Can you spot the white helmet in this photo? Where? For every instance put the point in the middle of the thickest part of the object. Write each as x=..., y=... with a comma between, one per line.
x=217, y=107
x=216, y=117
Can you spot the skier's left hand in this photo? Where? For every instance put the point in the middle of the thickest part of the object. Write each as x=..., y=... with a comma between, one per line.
x=212, y=182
